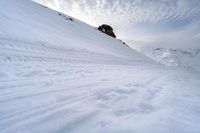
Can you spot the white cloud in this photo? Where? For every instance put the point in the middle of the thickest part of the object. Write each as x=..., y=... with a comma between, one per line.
x=133, y=18
x=131, y=11
x=188, y=37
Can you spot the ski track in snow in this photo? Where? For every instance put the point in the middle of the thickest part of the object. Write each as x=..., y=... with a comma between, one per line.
x=29, y=52
x=75, y=91
x=62, y=76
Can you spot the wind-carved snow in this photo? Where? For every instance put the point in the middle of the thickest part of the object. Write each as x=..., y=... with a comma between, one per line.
x=85, y=82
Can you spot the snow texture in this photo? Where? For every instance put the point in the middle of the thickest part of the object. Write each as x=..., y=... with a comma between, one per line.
x=188, y=58
x=59, y=75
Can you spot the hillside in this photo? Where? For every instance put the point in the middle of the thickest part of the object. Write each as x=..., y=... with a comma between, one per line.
x=187, y=58
x=60, y=75
x=39, y=26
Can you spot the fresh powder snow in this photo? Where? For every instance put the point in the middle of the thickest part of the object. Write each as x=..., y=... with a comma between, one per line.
x=60, y=75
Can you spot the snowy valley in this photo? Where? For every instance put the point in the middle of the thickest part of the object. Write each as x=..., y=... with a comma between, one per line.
x=60, y=75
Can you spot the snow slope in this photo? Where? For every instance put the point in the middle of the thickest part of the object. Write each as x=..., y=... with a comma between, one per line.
x=63, y=76
x=188, y=58
x=41, y=26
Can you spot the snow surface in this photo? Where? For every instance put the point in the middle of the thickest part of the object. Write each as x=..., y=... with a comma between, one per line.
x=63, y=76
x=187, y=58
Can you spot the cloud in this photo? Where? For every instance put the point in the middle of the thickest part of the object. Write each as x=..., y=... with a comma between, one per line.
x=133, y=18
x=186, y=37
x=189, y=36
x=131, y=11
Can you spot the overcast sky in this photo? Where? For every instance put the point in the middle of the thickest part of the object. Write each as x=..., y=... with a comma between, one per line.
x=150, y=22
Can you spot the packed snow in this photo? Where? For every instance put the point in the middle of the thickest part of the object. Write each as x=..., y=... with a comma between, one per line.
x=59, y=75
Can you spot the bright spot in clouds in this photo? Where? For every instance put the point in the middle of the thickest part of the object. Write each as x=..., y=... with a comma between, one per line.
x=170, y=23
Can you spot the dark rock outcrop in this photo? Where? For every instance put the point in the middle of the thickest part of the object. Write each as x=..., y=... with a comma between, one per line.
x=107, y=30
x=65, y=17
x=124, y=43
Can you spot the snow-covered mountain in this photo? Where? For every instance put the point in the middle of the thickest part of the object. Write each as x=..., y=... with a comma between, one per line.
x=60, y=75
x=42, y=27
x=188, y=58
